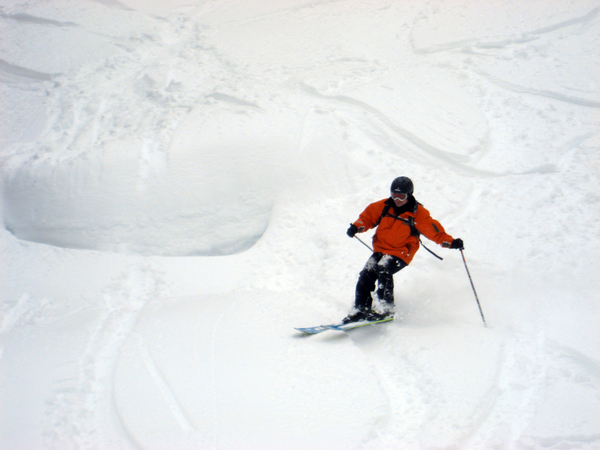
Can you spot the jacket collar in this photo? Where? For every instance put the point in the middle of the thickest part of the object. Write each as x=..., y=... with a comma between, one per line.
x=410, y=206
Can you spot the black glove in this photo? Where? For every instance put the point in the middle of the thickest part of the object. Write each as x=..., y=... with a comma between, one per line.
x=352, y=230
x=457, y=243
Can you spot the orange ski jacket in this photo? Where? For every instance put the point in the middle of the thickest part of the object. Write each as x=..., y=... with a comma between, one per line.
x=394, y=235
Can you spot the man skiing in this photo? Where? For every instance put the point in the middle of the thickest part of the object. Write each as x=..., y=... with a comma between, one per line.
x=399, y=220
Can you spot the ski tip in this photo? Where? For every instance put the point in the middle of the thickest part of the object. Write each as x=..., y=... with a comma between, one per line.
x=312, y=330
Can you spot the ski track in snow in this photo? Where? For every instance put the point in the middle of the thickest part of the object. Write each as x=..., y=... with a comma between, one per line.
x=524, y=369
x=581, y=371
x=493, y=43
x=540, y=92
x=12, y=72
x=519, y=381
x=84, y=413
x=164, y=388
x=114, y=4
x=437, y=154
x=213, y=370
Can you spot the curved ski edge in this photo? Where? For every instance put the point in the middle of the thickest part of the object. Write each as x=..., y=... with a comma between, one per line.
x=315, y=330
x=341, y=326
x=362, y=323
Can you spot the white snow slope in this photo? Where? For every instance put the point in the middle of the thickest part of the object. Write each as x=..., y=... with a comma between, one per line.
x=176, y=181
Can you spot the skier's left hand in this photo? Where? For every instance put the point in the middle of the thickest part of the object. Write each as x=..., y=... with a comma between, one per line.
x=458, y=244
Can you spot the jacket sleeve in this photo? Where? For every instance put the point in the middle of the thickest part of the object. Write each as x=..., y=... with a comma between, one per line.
x=370, y=216
x=431, y=228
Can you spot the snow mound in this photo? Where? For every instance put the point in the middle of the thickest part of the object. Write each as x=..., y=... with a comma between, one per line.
x=210, y=194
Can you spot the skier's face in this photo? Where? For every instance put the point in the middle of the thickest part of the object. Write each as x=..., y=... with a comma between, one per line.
x=399, y=199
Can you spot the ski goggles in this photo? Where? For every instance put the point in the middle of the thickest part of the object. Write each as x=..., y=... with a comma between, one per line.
x=398, y=196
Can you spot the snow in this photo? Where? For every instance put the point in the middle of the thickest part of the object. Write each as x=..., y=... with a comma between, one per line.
x=176, y=182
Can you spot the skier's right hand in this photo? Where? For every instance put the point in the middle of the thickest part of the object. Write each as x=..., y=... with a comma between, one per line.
x=352, y=230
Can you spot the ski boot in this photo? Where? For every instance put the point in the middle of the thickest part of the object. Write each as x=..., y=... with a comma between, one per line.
x=386, y=312
x=356, y=316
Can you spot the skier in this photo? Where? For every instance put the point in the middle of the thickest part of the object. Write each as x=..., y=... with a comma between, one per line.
x=399, y=220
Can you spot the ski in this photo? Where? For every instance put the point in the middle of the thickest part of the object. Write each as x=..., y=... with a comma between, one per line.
x=342, y=326
x=316, y=330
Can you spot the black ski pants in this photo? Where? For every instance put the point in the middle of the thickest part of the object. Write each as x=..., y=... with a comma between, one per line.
x=379, y=268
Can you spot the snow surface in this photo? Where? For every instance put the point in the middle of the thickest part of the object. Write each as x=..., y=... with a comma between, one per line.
x=176, y=181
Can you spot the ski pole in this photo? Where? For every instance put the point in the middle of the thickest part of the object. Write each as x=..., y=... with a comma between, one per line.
x=363, y=243
x=473, y=286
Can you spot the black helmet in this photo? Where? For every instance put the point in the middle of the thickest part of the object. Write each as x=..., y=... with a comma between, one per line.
x=402, y=185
